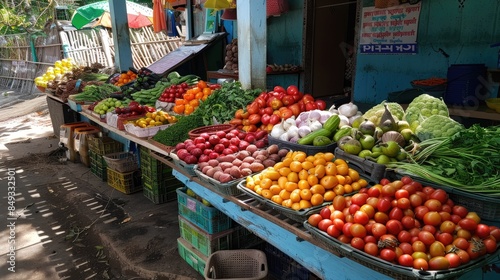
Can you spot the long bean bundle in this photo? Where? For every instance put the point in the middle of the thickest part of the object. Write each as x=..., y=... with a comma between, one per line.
x=469, y=160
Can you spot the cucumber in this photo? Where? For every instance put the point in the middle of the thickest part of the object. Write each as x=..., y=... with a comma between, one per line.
x=341, y=133
x=309, y=138
x=332, y=123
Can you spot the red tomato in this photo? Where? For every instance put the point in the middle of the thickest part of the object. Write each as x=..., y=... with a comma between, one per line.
x=432, y=218
x=388, y=190
x=439, y=263
x=394, y=227
x=403, y=203
x=307, y=98
x=279, y=89
x=383, y=204
x=464, y=256
x=404, y=236
x=460, y=211
x=337, y=214
x=344, y=239
x=461, y=243
x=288, y=100
x=358, y=243
x=314, y=219
x=368, y=208
x=453, y=259
x=396, y=213
x=325, y=213
x=406, y=260
x=384, y=181
x=359, y=198
x=371, y=248
x=324, y=224
x=437, y=249
x=428, y=190
x=401, y=193
x=420, y=211
x=445, y=238
x=361, y=217
x=373, y=192
x=468, y=224
x=406, y=180
x=416, y=200
x=408, y=222
x=388, y=241
x=474, y=216
x=476, y=249
x=292, y=90
x=440, y=195
x=420, y=264
x=445, y=216
x=333, y=231
x=490, y=244
x=426, y=237
x=320, y=104
x=339, y=202
x=482, y=231
x=406, y=247
x=495, y=232
x=370, y=238
x=410, y=188
x=378, y=230
x=420, y=255
x=388, y=254
x=381, y=217
x=311, y=106
x=433, y=205
x=346, y=229
x=338, y=223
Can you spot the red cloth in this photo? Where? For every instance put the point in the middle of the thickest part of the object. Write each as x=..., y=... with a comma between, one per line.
x=159, y=18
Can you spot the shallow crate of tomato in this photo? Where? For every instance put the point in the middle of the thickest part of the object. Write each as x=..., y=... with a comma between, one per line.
x=391, y=269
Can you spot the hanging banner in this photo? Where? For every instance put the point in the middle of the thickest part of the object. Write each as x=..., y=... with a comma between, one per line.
x=391, y=30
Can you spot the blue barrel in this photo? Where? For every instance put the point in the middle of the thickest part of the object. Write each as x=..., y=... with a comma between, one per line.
x=465, y=85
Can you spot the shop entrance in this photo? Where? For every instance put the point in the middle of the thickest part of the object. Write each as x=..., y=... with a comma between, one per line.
x=329, y=46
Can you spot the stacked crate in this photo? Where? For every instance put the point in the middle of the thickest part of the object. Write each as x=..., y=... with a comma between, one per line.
x=158, y=183
x=98, y=147
x=123, y=172
x=205, y=230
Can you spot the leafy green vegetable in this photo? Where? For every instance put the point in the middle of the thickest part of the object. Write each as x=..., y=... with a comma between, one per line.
x=179, y=131
x=222, y=103
x=468, y=160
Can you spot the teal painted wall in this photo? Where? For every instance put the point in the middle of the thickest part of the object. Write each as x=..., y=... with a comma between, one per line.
x=464, y=33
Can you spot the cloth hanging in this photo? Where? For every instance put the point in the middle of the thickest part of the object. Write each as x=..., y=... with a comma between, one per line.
x=159, y=18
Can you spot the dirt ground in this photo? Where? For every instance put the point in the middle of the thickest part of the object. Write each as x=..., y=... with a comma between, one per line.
x=66, y=223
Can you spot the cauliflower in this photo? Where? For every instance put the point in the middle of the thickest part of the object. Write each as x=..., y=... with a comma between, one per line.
x=437, y=126
x=424, y=106
x=375, y=113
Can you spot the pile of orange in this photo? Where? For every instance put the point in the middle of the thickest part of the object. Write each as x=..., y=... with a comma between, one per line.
x=300, y=181
x=191, y=98
x=125, y=78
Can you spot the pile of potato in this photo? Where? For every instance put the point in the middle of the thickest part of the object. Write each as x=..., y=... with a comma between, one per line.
x=235, y=166
x=231, y=59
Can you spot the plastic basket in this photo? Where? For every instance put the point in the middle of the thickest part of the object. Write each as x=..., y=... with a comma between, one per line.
x=153, y=171
x=98, y=165
x=393, y=270
x=249, y=264
x=229, y=188
x=373, y=171
x=211, y=129
x=159, y=197
x=144, y=132
x=119, y=121
x=126, y=183
x=295, y=215
x=308, y=149
x=192, y=256
x=207, y=218
x=122, y=161
x=104, y=145
x=188, y=168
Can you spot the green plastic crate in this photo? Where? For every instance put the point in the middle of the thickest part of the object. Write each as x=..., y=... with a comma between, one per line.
x=154, y=172
x=159, y=198
x=192, y=256
x=207, y=218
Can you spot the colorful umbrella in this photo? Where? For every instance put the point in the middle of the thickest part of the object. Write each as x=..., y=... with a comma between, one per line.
x=97, y=13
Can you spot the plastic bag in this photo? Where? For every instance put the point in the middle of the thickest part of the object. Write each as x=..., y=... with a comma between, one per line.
x=217, y=4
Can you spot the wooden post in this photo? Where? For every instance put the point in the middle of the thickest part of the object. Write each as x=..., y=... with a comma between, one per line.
x=252, y=43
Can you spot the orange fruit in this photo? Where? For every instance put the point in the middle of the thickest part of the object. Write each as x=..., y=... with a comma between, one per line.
x=267, y=193
x=287, y=161
x=296, y=206
x=277, y=199
x=199, y=95
x=299, y=156
x=275, y=189
x=339, y=161
x=353, y=174
x=348, y=188
x=307, y=165
x=329, y=195
x=320, y=171
x=317, y=199
x=207, y=91
x=194, y=103
x=339, y=189
x=319, y=161
x=296, y=166
x=250, y=185
x=284, y=194
x=287, y=203
x=284, y=171
x=312, y=180
x=362, y=182
x=272, y=174
x=304, y=204
x=310, y=158
x=343, y=169
x=331, y=168
x=293, y=177
x=258, y=190
x=305, y=194
x=291, y=186
x=303, y=174
x=318, y=189
x=295, y=195
x=303, y=184
x=329, y=182
x=341, y=179
x=282, y=181
x=266, y=183
x=328, y=156
x=355, y=186
x=348, y=179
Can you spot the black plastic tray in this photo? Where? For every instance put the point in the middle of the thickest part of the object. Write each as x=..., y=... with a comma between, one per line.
x=229, y=188
x=372, y=170
x=393, y=270
x=308, y=149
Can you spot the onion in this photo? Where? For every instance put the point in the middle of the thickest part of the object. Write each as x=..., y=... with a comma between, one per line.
x=393, y=136
x=304, y=130
x=325, y=115
x=314, y=115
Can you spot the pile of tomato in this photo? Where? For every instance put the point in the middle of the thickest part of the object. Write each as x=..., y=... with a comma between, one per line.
x=407, y=223
x=269, y=108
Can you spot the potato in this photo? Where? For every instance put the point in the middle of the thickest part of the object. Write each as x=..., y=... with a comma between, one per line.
x=249, y=159
x=213, y=162
x=264, y=153
x=245, y=165
x=227, y=158
x=211, y=172
x=256, y=167
x=252, y=148
x=237, y=162
x=245, y=172
x=283, y=152
x=235, y=172
x=201, y=165
x=206, y=168
x=224, y=178
x=268, y=163
x=225, y=165
x=274, y=157
x=243, y=154
x=273, y=149
x=217, y=175
x=260, y=157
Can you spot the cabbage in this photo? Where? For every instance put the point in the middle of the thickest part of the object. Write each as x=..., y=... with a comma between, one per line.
x=437, y=126
x=375, y=113
x=424, y=106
